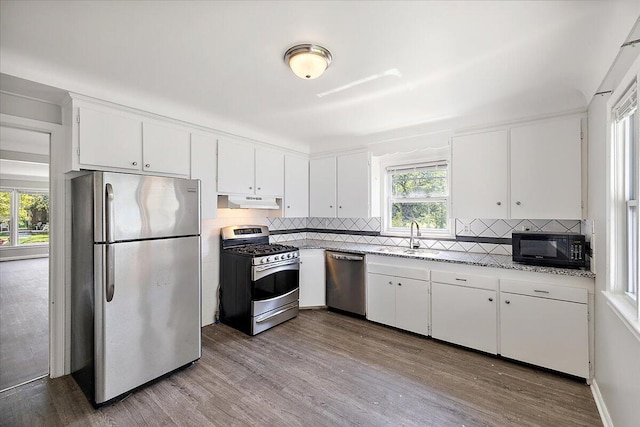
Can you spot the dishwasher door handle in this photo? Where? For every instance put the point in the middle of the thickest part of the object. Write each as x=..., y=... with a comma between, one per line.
x=347, y=257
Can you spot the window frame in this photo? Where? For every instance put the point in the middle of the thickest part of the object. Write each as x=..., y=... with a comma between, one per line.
x=14, y=230
x=388, y=199
x=626, y=306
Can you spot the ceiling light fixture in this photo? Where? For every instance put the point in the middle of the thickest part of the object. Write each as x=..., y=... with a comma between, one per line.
x=308, y=61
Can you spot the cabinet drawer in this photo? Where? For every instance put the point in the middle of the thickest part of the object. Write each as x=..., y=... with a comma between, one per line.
x=545, y=290
x=464, y=279
x=393, y=270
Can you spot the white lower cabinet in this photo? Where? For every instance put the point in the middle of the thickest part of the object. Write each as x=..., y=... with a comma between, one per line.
x=545, y=325
x=464, y=315
x=398, y=296
x=312, y=279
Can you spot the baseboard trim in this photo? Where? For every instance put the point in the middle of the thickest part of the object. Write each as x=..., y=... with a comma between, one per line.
x=602, y=407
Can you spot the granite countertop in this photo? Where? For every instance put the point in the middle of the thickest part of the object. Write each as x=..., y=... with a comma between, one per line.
x=470, y=258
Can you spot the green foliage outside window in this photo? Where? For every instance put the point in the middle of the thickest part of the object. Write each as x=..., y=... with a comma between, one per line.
x=419, y=195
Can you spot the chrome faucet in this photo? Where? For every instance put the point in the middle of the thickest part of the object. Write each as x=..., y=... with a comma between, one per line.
x=417, y=245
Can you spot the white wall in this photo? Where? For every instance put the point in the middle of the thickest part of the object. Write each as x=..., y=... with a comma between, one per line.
x=617, y=351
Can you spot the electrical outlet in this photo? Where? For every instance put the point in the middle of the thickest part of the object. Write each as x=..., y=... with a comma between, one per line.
x=466, y=228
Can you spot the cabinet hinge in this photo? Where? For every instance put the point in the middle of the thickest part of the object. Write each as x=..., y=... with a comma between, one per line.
x=589, y=316
x=78, y=151
x=581, y=135
x=78, y=118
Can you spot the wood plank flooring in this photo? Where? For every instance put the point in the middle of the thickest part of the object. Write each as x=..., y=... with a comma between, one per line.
x=24, y=320
x=323, y=369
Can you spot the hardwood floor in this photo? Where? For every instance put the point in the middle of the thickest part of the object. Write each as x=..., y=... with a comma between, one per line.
x=24, y=320
x=323, y=369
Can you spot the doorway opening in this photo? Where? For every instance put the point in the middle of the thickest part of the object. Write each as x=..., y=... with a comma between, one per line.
x=24, y=255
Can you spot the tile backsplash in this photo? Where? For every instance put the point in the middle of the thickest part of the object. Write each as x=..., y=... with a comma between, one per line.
x=503, y=228
x=365, y=232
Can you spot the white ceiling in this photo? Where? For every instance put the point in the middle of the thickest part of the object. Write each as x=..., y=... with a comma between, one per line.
x=400, y=68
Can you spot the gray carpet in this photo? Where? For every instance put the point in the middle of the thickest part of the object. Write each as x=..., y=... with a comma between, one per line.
x=24, y=320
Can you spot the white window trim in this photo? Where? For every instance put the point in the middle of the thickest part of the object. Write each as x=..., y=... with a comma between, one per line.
x=621, y=304
x=395, y=232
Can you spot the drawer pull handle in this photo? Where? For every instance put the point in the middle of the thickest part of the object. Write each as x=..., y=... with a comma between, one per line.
x=507, y=302
x=491, y=299
x=399, y=284
x=390, y=282
x=461, y=280
x=540, y=292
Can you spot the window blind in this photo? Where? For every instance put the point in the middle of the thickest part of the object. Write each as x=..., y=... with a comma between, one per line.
x=628, y=103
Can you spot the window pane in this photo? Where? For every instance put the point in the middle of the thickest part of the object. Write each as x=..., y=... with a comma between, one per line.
x=632, y=248
x=5, y=218
x=33, y=218
x=426, y=183
x=429, y=215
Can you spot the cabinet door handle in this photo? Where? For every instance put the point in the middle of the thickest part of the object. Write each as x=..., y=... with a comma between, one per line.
x=491, y=299
x=518, y=203
x=147, y=165
x=507, y=302
x=390, y=282
x=250, y=188
x=540, y=292
x=288, y=207
x=461, y=280
x=259, y=188
x=330, y=206
x=399, y=284
x=340, y=207
x=499, y=203
x=134, y=163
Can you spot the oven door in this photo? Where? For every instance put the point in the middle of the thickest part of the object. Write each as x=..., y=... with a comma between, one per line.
x=274, y=280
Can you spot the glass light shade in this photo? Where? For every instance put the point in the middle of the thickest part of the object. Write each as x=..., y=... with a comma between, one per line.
x=308, y=61
x=309, y=65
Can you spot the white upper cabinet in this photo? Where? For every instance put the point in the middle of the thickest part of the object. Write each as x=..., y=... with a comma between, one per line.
x=340, y=186
x=108, y=138
x=354, y=186
x=203, y=167
x=322, y=187
x=165, y=149
x=545, y=170
x=479, y=175
x=527, y=172
x=296, y=187
x=269, y=173
x=236, y=166
x=246, y=169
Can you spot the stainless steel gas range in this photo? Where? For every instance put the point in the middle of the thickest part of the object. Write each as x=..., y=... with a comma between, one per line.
x=258, y=280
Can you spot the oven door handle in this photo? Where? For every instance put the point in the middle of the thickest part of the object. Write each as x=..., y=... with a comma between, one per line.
x=259, y=272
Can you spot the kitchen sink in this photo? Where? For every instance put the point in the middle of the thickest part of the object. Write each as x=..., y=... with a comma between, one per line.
x=407, y=251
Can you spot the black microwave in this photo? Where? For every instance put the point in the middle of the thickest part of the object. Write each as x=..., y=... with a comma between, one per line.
x=550, y=249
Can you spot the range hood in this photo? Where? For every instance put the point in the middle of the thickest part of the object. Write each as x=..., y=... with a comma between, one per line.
x=247, y=202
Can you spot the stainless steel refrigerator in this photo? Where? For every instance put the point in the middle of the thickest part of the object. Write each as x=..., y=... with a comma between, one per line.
x=136, y=279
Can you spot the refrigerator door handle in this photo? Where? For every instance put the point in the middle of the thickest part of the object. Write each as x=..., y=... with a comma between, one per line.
x=110, y=285
x=109, y=220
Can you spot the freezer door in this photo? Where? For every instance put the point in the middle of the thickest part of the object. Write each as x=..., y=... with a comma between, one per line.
x=141, y=207
x=151, y=326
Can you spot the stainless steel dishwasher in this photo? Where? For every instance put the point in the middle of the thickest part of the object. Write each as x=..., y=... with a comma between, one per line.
x=345, y=282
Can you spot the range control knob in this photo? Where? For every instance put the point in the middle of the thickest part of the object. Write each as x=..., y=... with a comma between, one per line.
x=264, y=259
x=268, y=259
x=295, y=254
x=289, y=255
x=277, y=257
